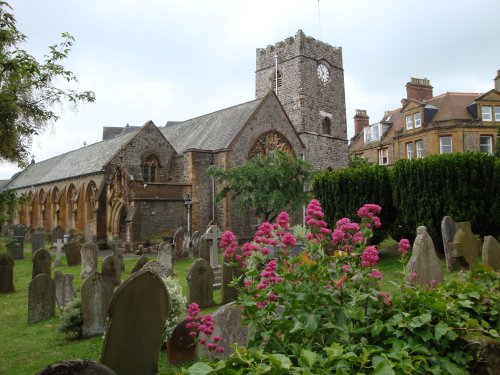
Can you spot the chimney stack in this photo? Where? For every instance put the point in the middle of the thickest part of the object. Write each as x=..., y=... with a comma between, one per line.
x=497, y=81
x=419, y=89
x=361, y=120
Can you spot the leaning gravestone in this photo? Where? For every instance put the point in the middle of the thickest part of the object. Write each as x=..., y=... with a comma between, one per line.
x=491, y=252
x=57, y=234
x=76, y=367
x=448, y=229
x=37, y=241
x=465, y=247
x=179, y=243
x=72, y=251
x=65, y=291
x=136, y=324
x=181, y=347
x=157, y=268
x=204, y=247
x=96, y=294
x=6, y=273
x=195, y=245
x=16, y=248
x=214, y=234
x=166, y=257
x=229, y=272
x=42, y=263
x=19, y=230
x=424, y=267
x=88, y=254
x=228, y=325
x=41, y=299
x=200, y=280
x=58, y=245
x=140, y=263
x=111, y=268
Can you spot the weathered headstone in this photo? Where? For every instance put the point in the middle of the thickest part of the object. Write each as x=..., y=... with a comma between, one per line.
x=76, y=367
x=214, y=235
x=42, y=263
x=41, y=299
x=58, y=245
x=65, y=291
x=465, y=247
x=179, y=243
x=491, y=252
x=16, y=247
x=19, y=230
x=448, y=229
x=181, y=347
x=195, y=245
x=166, y=257
x=88, y=253
x=37, y=241
x=137, y=315
x=111, y=268
x=96, y=294
x=72, y=251
x=88, y=235
x=140, y=263
x=204, y=247
x=6, y=273
x=200, y=279
x=157, y=268
x=57, y=234
x=229, y=272
x=228, y=325
x=424, y=266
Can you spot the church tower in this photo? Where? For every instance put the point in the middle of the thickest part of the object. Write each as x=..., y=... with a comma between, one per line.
x=310, y=86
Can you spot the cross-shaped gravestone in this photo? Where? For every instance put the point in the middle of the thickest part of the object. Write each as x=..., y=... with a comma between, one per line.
x=213, y=234
x=58, y=245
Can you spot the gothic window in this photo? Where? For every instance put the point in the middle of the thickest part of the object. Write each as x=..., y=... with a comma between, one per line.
x=150, y=169
x=268, y=143
x=280, y=79
x=326, y=126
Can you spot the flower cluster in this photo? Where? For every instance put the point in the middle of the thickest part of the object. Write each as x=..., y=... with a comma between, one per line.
x=375, y=274
x=264, y=235
x=368, y=214
x=404, y=246
x=269, y=275
x=314, y=220
x=230, y=245
x=346, y=235
x=202, y=324
x=369, y=256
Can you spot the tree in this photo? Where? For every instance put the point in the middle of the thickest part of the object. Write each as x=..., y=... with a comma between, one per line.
x=28, y=91
x=268, y=185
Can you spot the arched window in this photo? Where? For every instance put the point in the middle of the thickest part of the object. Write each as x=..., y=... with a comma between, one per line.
x=273, y=79
x=326, y=126
x=150, y=169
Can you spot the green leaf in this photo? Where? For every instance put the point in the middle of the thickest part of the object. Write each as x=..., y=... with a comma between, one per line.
x=466, y=303
x=452, y=368
x=308, y=357
x=420, y=320
x=440, y=330
x=377, y=327
x=358, y=313
x=381, y=366
x=312, y=322
x=281, y=360
x=334, y=351
x=200, y=368
x=298, y=326
x=474, y=294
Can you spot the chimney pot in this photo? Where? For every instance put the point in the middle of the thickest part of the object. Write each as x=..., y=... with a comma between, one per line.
x=419, y=89
x=361, y=120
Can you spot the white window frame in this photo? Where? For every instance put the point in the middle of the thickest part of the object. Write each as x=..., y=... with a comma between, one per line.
x=443, y=147
x=497, y=113
x=488, y=145
x=375, y=130
x=409, y=150
x=383, y=156
x=409, y=122
x=486, y=113
x=419, y=149
x=417, y=120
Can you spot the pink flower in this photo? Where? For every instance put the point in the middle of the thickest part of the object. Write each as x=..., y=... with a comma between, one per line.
x=369, y=256
x=283, y=220
x=217, y=338
x=376, y=274
x=219, y=349
x=314, y=220
x=346, y=268
x=368, y=213
x=404, y=246
x=211, y=345
x=288, y=240
x=229, y=244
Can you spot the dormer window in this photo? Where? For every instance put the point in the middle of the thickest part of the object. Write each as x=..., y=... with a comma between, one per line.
x=486, y=112
x=497, y=114
x=374, y=132
x=409, y=122
x=417, y=120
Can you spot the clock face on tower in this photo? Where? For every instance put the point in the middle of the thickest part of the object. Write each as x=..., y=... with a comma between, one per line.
x=323, y=73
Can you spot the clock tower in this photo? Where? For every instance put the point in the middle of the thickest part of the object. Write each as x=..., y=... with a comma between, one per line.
x=310, y=85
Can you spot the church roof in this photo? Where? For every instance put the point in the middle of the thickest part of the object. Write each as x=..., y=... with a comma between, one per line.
x=210, y=132
x=83, y=161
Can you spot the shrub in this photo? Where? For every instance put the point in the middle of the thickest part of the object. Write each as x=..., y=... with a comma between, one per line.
x=72, y=320
x=177, y=306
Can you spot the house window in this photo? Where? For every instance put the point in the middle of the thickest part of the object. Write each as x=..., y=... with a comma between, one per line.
x=409, y=122
x=150, y=169
x=375, y=132
x=445, y=146
x=486, y=144
x=497, y=114
x=326, y=126
x=383, y=156
x=419, y=145
x=486, y=112
x=409, y=151
x=417, y=119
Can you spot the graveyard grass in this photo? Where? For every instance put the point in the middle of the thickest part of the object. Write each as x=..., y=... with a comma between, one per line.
x=28, y=348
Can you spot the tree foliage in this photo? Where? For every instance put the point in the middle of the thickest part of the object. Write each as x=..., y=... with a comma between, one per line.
x=28, y=91
x=9, y=204
x=267, y=185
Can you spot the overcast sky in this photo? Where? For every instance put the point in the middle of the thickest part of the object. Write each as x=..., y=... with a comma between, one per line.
x=166, y=60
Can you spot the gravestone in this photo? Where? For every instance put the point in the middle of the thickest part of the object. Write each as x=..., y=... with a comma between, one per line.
x=37, y=241
x=19, y=230
x=213, y=236
x=229, y=271
x=112, y=268
x=228, y=325
x=157, y=268
x=181, y=347
x=96, y=294
x=166, y=257
x=65, y=291
x=6, y=273
x=72, y=251
x=57, y=234
x=424, y=267
x=465, y=247
x=41, y=299
x=42, y=263
x=195, y=245
x=204, y=247
x=16, y=248
x=58, y=245
x=27, y=234
x=6, y=230
x=140, y=263
x=88, y=253
x=491, y=252
x=76, y=367
x=136, y=324
x=88, y=236
x=186, y=246
x=179, y=243
x=448, y=229
x=200, y=278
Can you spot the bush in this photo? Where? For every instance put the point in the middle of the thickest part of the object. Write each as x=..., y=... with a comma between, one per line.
x=177, y=306
x=72, y=319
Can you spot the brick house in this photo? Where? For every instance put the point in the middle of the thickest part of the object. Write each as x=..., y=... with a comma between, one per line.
x=428, y=125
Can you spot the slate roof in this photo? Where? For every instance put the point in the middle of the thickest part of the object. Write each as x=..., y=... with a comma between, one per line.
x=113, y=131
x=210, y=132
x=83, y=161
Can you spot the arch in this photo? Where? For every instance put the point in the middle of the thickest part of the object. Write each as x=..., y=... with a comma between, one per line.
x=150, y=167
x=71, y=207
x=63, y=209
x=44, y=210
x=268, y=142
x=326, y=126
x=91, y=199
x=55, y=199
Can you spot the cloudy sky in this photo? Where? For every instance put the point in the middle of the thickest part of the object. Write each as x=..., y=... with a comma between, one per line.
x=176, y=59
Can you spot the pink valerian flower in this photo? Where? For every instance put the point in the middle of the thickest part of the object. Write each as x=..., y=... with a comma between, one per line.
x=288, y=240
x=197, y=324
x=346, y=268
x=230, y=245
x=375, y=274
x=369, y=256
x=314, y=220
x=268, y=276
x=404, y=246
x=347, y=234
x=283, y=221
x=264, y=235
x=368, y=213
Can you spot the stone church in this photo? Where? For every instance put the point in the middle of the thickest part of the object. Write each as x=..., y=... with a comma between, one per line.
x=147, y=181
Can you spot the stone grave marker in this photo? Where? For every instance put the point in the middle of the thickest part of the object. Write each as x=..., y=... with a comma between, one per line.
x=204, y=247
x=58, y=245
x=88, y=253
x=465, y=247
x=157, y=268
x=134, y=334
x=41, y=299
x=195, y=245
x=37, y=241
x=179, y=243
x=65, y=291
x=76, y=367
x=228, y=325
x=57, y=234
x=16, y=248
x=186, y=246
x=88, y=236
x=448, y=229
x=166, y=257
x=6, y=273
x=200, y=278
x=6, y=229
x=491, y=252
x=180, y=346
x=72, y=251
x=140, y=263
x=42, y=263
x=96, y=293
x=424, y=266
x=19, y=230
x=229, y=271
x=213, y=236
x=112, y=268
